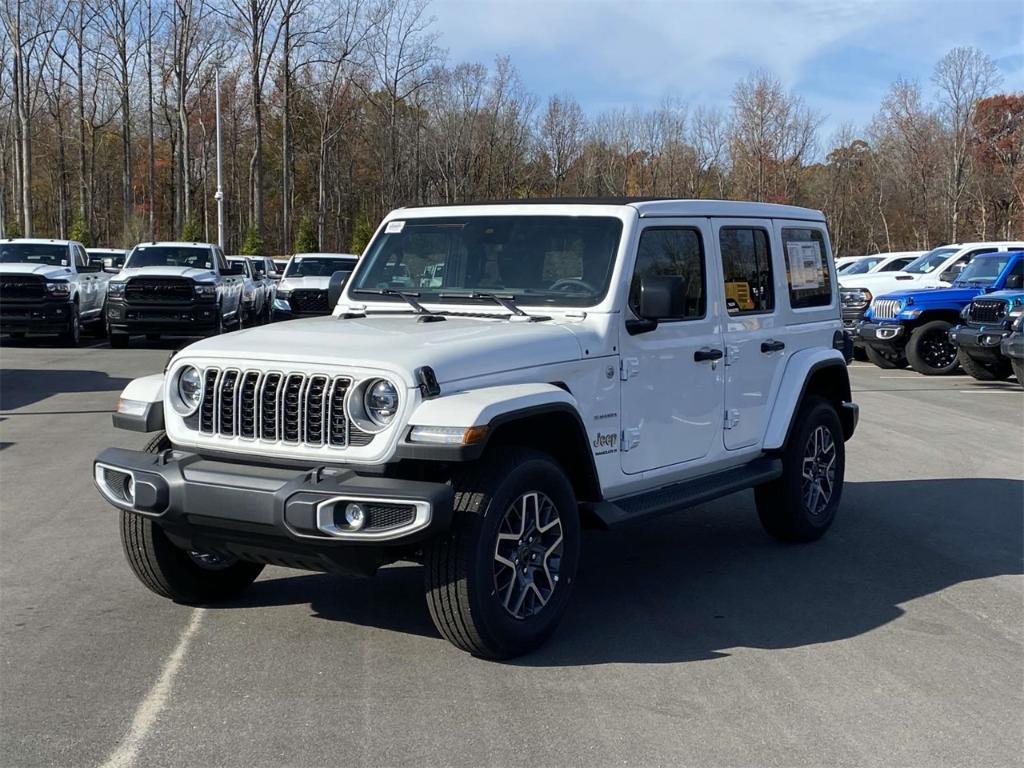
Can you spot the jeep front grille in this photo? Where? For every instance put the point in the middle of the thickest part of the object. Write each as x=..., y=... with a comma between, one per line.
x=293, y=408
x=987, y=311
x=885, y=309
x=309, y=300
x=21, y=288
x=159, y=290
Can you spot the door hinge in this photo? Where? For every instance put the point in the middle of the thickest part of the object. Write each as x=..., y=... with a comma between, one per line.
x=629, y=439
x=732, y=418
x=629, y=368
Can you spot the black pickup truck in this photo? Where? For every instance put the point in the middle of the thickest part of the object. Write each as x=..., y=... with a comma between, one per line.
x=174, y=289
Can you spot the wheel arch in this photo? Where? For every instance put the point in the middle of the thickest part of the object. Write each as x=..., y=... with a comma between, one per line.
x=949, y=315
x=809, y=373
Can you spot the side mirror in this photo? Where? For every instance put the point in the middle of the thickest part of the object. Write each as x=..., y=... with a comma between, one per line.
x=952, y=273
x=662, y=296
x=335, y=287
x=1014, y=282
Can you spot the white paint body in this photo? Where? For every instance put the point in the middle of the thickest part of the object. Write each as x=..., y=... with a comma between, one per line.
x=88, y=287
x=653, y=414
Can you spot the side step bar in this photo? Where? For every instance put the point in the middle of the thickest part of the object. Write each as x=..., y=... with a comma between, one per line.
x=689, y=493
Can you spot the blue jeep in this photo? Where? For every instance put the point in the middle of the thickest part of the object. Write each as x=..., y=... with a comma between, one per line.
x=913, y=326
x=984, y=324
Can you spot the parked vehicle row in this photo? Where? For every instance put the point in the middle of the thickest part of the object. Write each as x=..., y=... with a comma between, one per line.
x=945, y=311
x=55, y=287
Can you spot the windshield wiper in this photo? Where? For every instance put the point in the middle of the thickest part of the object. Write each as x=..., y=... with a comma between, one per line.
x=409, y=298
x=506, y=300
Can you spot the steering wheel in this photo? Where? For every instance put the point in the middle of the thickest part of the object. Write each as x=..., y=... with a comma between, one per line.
x=572, y=285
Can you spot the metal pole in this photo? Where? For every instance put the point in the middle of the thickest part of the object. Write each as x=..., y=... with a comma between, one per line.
x=219, y=195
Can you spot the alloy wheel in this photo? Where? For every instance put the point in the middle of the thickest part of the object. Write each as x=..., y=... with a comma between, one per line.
x=528, y=555
x=937, y=350
x=819, y=470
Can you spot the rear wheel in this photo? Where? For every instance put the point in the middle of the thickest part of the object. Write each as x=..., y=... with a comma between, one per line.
x=802, y=503
x=984, y=370
x=499, y=580
x=889, y=360
x=929, y=351
x=117, y=340
x=183, y=576
x=1018, y=370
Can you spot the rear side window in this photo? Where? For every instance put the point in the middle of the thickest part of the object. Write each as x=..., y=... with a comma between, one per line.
x=677, y=252
x=810, y=284
x=747, y=269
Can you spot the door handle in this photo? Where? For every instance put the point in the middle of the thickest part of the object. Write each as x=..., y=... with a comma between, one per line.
x=772, y=346
x=707, y=353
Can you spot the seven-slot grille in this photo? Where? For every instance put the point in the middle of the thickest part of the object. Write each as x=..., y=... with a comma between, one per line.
x=159, y=290
x=269, y=406
x=21, y=288
x=987, y=310
x=885, y=309
x=309, y=300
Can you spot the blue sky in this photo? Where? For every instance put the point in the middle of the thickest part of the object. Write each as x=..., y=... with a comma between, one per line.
x=839, y=55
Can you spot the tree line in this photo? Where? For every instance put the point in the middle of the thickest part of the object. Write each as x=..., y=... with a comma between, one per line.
x=336, y=111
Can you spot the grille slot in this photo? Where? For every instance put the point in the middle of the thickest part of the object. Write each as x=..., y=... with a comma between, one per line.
x=21, y=288
x=158, y=290
x=309, y=300
x=885, y=309
x=987, y=310
x=295, y=408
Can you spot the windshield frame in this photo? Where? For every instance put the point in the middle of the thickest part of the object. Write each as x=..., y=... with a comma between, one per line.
x=622, y=228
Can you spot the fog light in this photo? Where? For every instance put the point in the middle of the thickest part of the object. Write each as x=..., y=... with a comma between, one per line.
x=355, y=516
x=129, y=490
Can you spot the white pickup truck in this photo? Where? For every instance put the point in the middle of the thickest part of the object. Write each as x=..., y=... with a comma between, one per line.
x=302, y=291
x=49, y=287
x=573, y=364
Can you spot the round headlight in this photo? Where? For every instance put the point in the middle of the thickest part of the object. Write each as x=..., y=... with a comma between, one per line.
x=380, y=400
x=189, y=390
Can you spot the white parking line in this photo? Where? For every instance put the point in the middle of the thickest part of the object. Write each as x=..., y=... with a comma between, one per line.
x=155, y=700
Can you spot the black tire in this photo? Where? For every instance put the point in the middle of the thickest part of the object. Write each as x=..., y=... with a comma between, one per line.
x=984, y=370
x=782, y=504
x=886, y=360
x=117, y=340
x=18, y=335
x=218, y=329
x=73, y=335
x=929, y=351
x=172, y=572
x=860, y=354
x=462, y=570
x=1018, y=370
x=152, y=337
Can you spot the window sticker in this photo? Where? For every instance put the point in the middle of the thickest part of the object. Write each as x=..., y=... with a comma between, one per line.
x=805, y=265
x=394, y=227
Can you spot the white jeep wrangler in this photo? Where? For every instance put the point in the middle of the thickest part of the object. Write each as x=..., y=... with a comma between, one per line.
x=587, y=363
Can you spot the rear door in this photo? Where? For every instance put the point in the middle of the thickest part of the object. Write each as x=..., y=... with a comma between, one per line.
x=754, y=336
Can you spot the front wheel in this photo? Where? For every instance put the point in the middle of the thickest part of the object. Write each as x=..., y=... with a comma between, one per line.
x=499, y=580
x=1018, y=370
x=929, y=351
x=73, y=335
x=189, y=577
x=802, y=503
x=982, y=370
x=117, y=340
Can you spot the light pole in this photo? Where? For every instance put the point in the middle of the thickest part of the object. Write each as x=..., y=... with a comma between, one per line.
x=219, y=194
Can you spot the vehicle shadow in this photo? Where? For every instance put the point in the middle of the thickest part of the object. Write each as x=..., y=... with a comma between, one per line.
x=690, y=586
x=20, y=387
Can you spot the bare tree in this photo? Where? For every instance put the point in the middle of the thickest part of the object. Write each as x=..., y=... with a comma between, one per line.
x=562, y=132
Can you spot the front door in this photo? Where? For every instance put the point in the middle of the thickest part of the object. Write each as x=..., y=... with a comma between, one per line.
x=754, y=335
x=672, y=384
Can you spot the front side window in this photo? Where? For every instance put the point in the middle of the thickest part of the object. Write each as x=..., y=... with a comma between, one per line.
x=170, y=256
x=537, y=260
x=672, y=252
x=810, y=284
x=747, y=270
x=317, y=266
x=896, y=264
x=34, y=253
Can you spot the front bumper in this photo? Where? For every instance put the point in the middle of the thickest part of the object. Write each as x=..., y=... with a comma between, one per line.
x=982, y=343
x=186, y=319
x=272, y=512
x=35, y=317
x=1013, y=346
x=885, y=335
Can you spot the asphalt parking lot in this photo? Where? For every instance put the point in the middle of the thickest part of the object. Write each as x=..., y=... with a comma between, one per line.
x=695, y=640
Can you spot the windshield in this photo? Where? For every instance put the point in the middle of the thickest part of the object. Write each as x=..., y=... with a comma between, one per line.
x=318, y=266
x=538, y=260
x=863, y=266
x=931, y=261
x=34, y=253
x=984, y=269
x=170, y=256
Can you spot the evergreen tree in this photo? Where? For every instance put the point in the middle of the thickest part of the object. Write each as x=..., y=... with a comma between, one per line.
x=252, y=245
x=305, y=237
